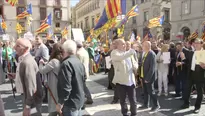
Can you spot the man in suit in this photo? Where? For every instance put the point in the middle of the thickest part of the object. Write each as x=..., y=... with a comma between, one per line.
x=148, y=77
x=82, y=54
x=42, y=52
x=71, y=78
x=181, y=69
x=31, y=83
x=196, y=72
x=124, y=77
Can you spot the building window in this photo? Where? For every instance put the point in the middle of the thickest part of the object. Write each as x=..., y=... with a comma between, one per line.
x=58, y=2
x=1, y=12
x=42, y=2
x=78, y=25
x=166, y=16
x=42, y=13
x=146, y=16
x=133, y=2
x=142, y=1
x=186, y=7
x=58, y=25
x=134, y=21
x=20, y=10
x=86, y=22
x=81, y=25
x=93, y=21
x=58, y=14
x=21, y=2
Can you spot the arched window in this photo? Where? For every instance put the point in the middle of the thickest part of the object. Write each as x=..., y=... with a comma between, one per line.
x=186, y=32
x=166, y=33
x=42, y=2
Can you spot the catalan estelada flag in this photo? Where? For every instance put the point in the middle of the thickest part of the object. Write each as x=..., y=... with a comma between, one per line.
x=50, y=34
x=12, y=2
x=25, y=13
x=3, y=24
x=148, y=36
x=194, y=35
x=158, y=21
x=112, y=9
x=19, y=28
x=203, y=32
x=45, y=25
x=132, y=13
x=64, y=31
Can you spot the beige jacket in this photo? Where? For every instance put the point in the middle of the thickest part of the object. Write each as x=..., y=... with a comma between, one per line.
x=82, y=54
x=121, y=69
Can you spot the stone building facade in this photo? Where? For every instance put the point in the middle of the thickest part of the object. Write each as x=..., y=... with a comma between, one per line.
x=187, y=17
x=149, y=9
x=60, y=10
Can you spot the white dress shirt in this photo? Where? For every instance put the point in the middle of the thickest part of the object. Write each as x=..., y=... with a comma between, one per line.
x=130, y=70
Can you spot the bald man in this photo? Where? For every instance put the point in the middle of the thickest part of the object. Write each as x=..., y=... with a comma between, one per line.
x=30, y=78
x=124, y=77
x=148, y=76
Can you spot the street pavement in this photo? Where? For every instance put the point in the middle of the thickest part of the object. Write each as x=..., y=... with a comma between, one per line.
x=102, y=99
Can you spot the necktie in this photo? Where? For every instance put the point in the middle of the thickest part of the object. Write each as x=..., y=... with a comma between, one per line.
x=142, y=71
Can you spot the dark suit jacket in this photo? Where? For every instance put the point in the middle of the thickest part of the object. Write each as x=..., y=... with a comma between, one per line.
x=149, y=67
x=30, y=78
x=71, y=78
x=186, y=62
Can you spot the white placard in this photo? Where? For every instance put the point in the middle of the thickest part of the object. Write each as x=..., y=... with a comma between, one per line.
x=166, y=57
x=200, y=56
x=107, y=60
x=29, y=36
x=5, y=37
x=78, y=34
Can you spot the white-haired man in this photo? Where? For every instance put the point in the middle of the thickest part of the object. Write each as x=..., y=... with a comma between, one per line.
x=82, y=54
x=70, y=82
x=30, y=79
x=124, y=77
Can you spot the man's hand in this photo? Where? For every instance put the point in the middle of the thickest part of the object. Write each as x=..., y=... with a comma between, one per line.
x=182, y=56
x=11, y=75
x=202, y=65
x=178, y=64
x=146, y=81
x=41, y=61
x=26, y=111
x=58, y=108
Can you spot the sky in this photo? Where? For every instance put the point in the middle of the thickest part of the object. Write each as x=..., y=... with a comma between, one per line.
x=74, y=2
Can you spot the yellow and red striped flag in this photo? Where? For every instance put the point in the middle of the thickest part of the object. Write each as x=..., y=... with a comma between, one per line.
x=3, y=25
x=19, y=28
x=64, y=32
x=203, y=32
x=157, y=21
x=25, y=13
x=133, y=12
x=45, y=25
x=194, y=35
x=12, y=2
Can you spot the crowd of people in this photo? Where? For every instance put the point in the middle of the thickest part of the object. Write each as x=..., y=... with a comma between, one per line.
x=56, y=73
